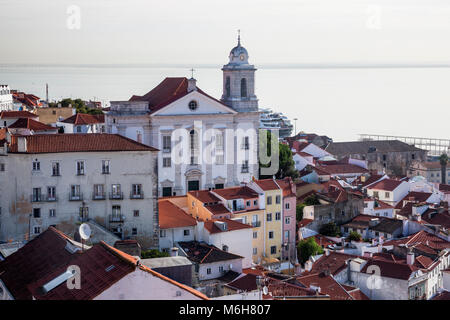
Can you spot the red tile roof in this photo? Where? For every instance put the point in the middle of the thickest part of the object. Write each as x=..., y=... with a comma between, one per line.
x=79, y=142
x=386, y=184
x=421, y=237
x=33, y=261
x=342, y=169
x=232, y=225
x=444, y=295
x=267, y=184
x=236, y=193
x=245, y=283
x=218, y=209
x=17, y=114
x=100, y=268
x=83, y=118
x=334, y=262
x=171, y=216
x=444, y=188
x=29, y=123
x=168, y=91
x=327, y=285
x=396, y=270
x=287, y=185
x=204, y=196
x=304, y=222
x=413, y=196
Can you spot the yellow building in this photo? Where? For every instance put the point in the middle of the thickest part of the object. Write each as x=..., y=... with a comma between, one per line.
x=273, y=217
x=237, y=203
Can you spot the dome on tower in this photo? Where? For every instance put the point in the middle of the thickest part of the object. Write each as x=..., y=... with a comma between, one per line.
x=239, y=55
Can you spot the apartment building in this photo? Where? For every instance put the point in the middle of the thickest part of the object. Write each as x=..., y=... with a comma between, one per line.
x=63, y=180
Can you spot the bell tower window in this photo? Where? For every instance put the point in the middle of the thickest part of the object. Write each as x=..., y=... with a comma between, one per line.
x=227, y=87
x=243, y=88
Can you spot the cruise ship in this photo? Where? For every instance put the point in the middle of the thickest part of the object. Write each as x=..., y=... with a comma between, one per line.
x=275, y=121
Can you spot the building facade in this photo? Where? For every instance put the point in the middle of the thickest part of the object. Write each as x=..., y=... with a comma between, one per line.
x=64, y=180
x=6, y=100
x=206, y=143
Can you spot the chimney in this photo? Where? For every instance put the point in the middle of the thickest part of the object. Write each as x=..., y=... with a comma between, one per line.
x=192, y=85
x=327, y=252
x=174, y=252
x=410, y=258
x=315, y=289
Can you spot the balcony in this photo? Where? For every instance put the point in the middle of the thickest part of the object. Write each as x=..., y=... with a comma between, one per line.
x=116, y=195
x=98, y=196
x=167, y=150
x=116, y=218
x=75, y=197
x=256, y=224
x=136, y=195
x=244, y=169
x=83, y=218
x=43, y=198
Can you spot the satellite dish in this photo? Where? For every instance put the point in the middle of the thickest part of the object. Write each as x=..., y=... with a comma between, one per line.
x=85, y=231
x=265, y=290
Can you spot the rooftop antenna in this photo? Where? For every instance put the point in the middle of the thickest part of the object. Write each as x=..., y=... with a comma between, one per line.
x=192, y=73
x=85, y=234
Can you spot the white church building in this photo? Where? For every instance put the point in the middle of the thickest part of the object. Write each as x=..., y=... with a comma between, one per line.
x=204, y=143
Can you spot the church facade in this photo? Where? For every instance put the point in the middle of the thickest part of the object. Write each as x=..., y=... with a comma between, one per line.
x=204, y=143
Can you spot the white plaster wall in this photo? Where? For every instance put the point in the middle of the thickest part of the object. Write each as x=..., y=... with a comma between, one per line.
x=141, y=285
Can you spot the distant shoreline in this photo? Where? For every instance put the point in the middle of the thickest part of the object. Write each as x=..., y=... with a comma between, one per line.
x=213, y=66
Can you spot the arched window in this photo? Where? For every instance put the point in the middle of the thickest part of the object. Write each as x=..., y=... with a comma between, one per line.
x=193, y=142
x=227, y=87
x=243, y=88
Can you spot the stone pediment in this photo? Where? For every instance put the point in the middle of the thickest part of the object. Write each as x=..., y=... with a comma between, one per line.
x=204, y=105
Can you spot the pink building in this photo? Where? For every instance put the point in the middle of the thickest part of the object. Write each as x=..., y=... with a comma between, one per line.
x=289, y=216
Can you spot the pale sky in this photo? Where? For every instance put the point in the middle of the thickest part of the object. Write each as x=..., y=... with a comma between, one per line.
x=203, y=31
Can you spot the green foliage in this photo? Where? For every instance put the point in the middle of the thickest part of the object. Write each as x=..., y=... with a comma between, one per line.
x=153, y=253
x=307, y=248
x=299, y=211
x=354, y=236
x=330, y=229
x=312, y=200
x=78, y=104
x=286, y=162
x=443, y=159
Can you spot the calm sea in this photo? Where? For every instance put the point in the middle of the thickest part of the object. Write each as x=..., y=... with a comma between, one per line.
x=339, y=102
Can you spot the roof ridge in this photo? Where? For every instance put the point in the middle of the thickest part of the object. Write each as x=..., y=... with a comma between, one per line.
x=120, y=254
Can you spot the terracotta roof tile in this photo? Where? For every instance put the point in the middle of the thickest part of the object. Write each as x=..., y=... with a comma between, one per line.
x=29, y=123
x=171, y=216
x=83, y=118
x=327, y=286
x=267, y=184
x=79, y=142
x=232, y=225
x=236, y=193
x=17, y=114
x=386, y=184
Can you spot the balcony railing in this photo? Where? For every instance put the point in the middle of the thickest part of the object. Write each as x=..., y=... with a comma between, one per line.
x=116, y=195
x=43, y=198
x=256, y=224
x=167, y=150
x=136, y=195
x=98, y=196
x=244, y=169
x=83, y=218
x=75, y=197
x=117, y=218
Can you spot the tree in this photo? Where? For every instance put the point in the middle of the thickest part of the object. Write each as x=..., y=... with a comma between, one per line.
x=286, y=162
x=443, y=159
x=153, y=253
x=307, y=248
x=299, y=211
x=330, y=230
x=354, y=236
x=311, y=200
x=78, y=104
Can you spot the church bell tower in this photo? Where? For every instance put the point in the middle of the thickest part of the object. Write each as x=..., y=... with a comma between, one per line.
x=239, y=81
